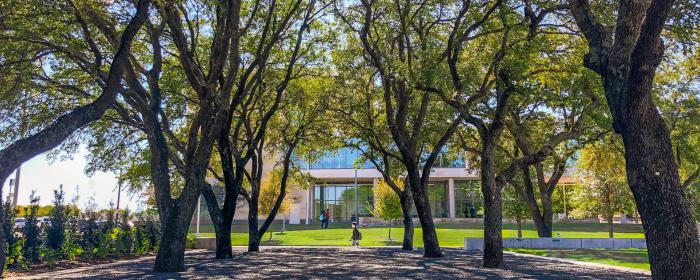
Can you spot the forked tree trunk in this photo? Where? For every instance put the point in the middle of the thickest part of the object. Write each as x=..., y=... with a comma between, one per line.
x=407, y=244
x=541, y=219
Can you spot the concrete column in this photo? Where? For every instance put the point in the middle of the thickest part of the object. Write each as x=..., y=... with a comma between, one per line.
x=374, y=185
x=451, y=197
x=309, y=203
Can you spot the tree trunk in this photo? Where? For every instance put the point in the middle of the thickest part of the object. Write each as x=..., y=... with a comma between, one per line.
x=493, y=219
x=628, y=68
x=610, y=226
x=253, y=237
x=407, y=222
x=223, y=241
x=669, y=225
x=542, y=220
x=431, y=244
x=222, y=224
x=520, y=228
x=171, y=253
x=493, y=239
x=390, y=230
x=547, y=216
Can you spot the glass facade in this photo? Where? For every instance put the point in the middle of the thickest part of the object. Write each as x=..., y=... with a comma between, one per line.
x=340, y=199
x=347, y=157
x=437, y=197
x=342, y=158
x=468, y=195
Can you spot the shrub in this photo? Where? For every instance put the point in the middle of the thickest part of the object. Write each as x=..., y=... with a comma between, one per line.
x=125, y=237
x=56, y=232
x=191, y=239
x=71, y=247
x=12, y=237
x=92, y=236
x=32, y=231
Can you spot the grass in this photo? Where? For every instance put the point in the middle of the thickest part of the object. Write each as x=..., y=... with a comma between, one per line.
x=449, y=235
x=631, y=258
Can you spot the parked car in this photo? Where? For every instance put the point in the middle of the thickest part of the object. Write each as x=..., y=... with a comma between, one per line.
x=19, y=222
x=43, y=222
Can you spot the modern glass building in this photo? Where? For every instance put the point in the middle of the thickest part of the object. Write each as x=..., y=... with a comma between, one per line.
x=344, y=185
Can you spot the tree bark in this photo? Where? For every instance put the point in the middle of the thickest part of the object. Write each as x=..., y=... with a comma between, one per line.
x=407, y=244
x=171, y=253
x=493, y=216
x=430, y=240
x=520, y=228
x=390, y=230
x=669, y=225
x=627, y=63
x=253, y=236
x=611, y=230
x=542, y=220
x=222, y=225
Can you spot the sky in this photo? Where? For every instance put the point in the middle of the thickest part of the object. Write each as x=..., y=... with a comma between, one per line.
x=44, y=176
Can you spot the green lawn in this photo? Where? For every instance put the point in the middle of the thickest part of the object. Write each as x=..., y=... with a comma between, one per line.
x=632, y=258
x=449, y=235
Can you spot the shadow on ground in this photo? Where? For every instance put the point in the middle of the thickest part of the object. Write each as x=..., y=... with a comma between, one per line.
x=345, y=263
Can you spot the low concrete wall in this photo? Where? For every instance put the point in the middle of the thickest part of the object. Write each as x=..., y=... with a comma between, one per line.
x=560, y=243
x=208, y=243
x=474, y=244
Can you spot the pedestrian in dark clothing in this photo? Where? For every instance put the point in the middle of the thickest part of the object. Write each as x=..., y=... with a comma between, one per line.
x=356, y=236
x=322, y=218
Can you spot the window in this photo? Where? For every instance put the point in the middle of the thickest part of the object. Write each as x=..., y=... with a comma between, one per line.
x=437, y=197
x=340, y=199
x=468, y=195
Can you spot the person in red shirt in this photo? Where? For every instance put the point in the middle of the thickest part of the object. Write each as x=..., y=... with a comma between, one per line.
x=326, y=218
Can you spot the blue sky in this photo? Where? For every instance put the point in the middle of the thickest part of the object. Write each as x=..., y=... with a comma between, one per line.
x=43, y=176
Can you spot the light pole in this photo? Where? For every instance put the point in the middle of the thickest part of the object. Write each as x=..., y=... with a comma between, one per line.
x=357, y=214
x=119, y=195
x=199, y=206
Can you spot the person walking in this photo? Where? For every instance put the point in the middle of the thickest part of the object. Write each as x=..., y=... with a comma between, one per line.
x=326, y=218
x=322, y=218
x=356, y=235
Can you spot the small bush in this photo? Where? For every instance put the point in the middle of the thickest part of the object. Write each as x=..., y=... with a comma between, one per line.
x=125, y=237
x=56, y=231
x=32, y=231
x=92, y=237
x=12, y=236
x=73, y=235
x=191, y=241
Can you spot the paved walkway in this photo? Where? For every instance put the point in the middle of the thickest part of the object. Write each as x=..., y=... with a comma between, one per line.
x=347, y=263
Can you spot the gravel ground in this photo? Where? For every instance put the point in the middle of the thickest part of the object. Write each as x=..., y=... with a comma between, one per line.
x=347, y=263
